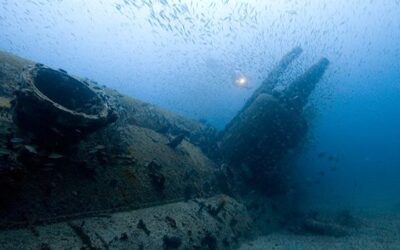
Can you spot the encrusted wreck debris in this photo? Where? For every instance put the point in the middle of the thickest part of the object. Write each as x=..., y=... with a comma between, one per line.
x=73, y=152
x=181, y=225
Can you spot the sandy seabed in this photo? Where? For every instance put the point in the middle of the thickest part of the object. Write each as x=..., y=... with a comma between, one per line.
x=380, y=232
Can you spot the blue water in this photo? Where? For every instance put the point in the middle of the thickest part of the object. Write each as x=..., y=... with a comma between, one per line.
x=183, y=55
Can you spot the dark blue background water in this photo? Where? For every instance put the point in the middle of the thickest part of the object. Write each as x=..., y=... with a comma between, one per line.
x=183, y=55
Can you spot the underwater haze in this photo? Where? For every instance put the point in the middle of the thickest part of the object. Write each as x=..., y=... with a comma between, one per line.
x=186, y=56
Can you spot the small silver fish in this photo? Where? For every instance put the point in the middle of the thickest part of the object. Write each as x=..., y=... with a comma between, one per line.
x=17, y=140
x=31, y=149
x=55, y=156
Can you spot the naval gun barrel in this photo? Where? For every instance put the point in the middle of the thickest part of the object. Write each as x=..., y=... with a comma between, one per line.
x=296, y=95
x=273, y=77
x=260, y=135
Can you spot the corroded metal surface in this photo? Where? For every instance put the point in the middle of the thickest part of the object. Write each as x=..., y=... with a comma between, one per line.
x=127, y=164
x=145, y=159
x=59, y=107
x=215, y=223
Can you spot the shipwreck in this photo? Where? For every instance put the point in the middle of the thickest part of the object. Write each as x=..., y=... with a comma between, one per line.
x=85, y=167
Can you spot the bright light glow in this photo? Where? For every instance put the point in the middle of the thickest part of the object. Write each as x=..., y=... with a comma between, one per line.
x=241, y=81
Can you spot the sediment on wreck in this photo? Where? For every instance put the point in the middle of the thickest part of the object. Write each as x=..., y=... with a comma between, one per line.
x=145, y=159
x=111, y=166
x=218, y=222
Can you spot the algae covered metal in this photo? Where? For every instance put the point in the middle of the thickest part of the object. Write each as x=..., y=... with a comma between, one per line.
x=47, y=172
x=50, y=103
x=73, y=152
